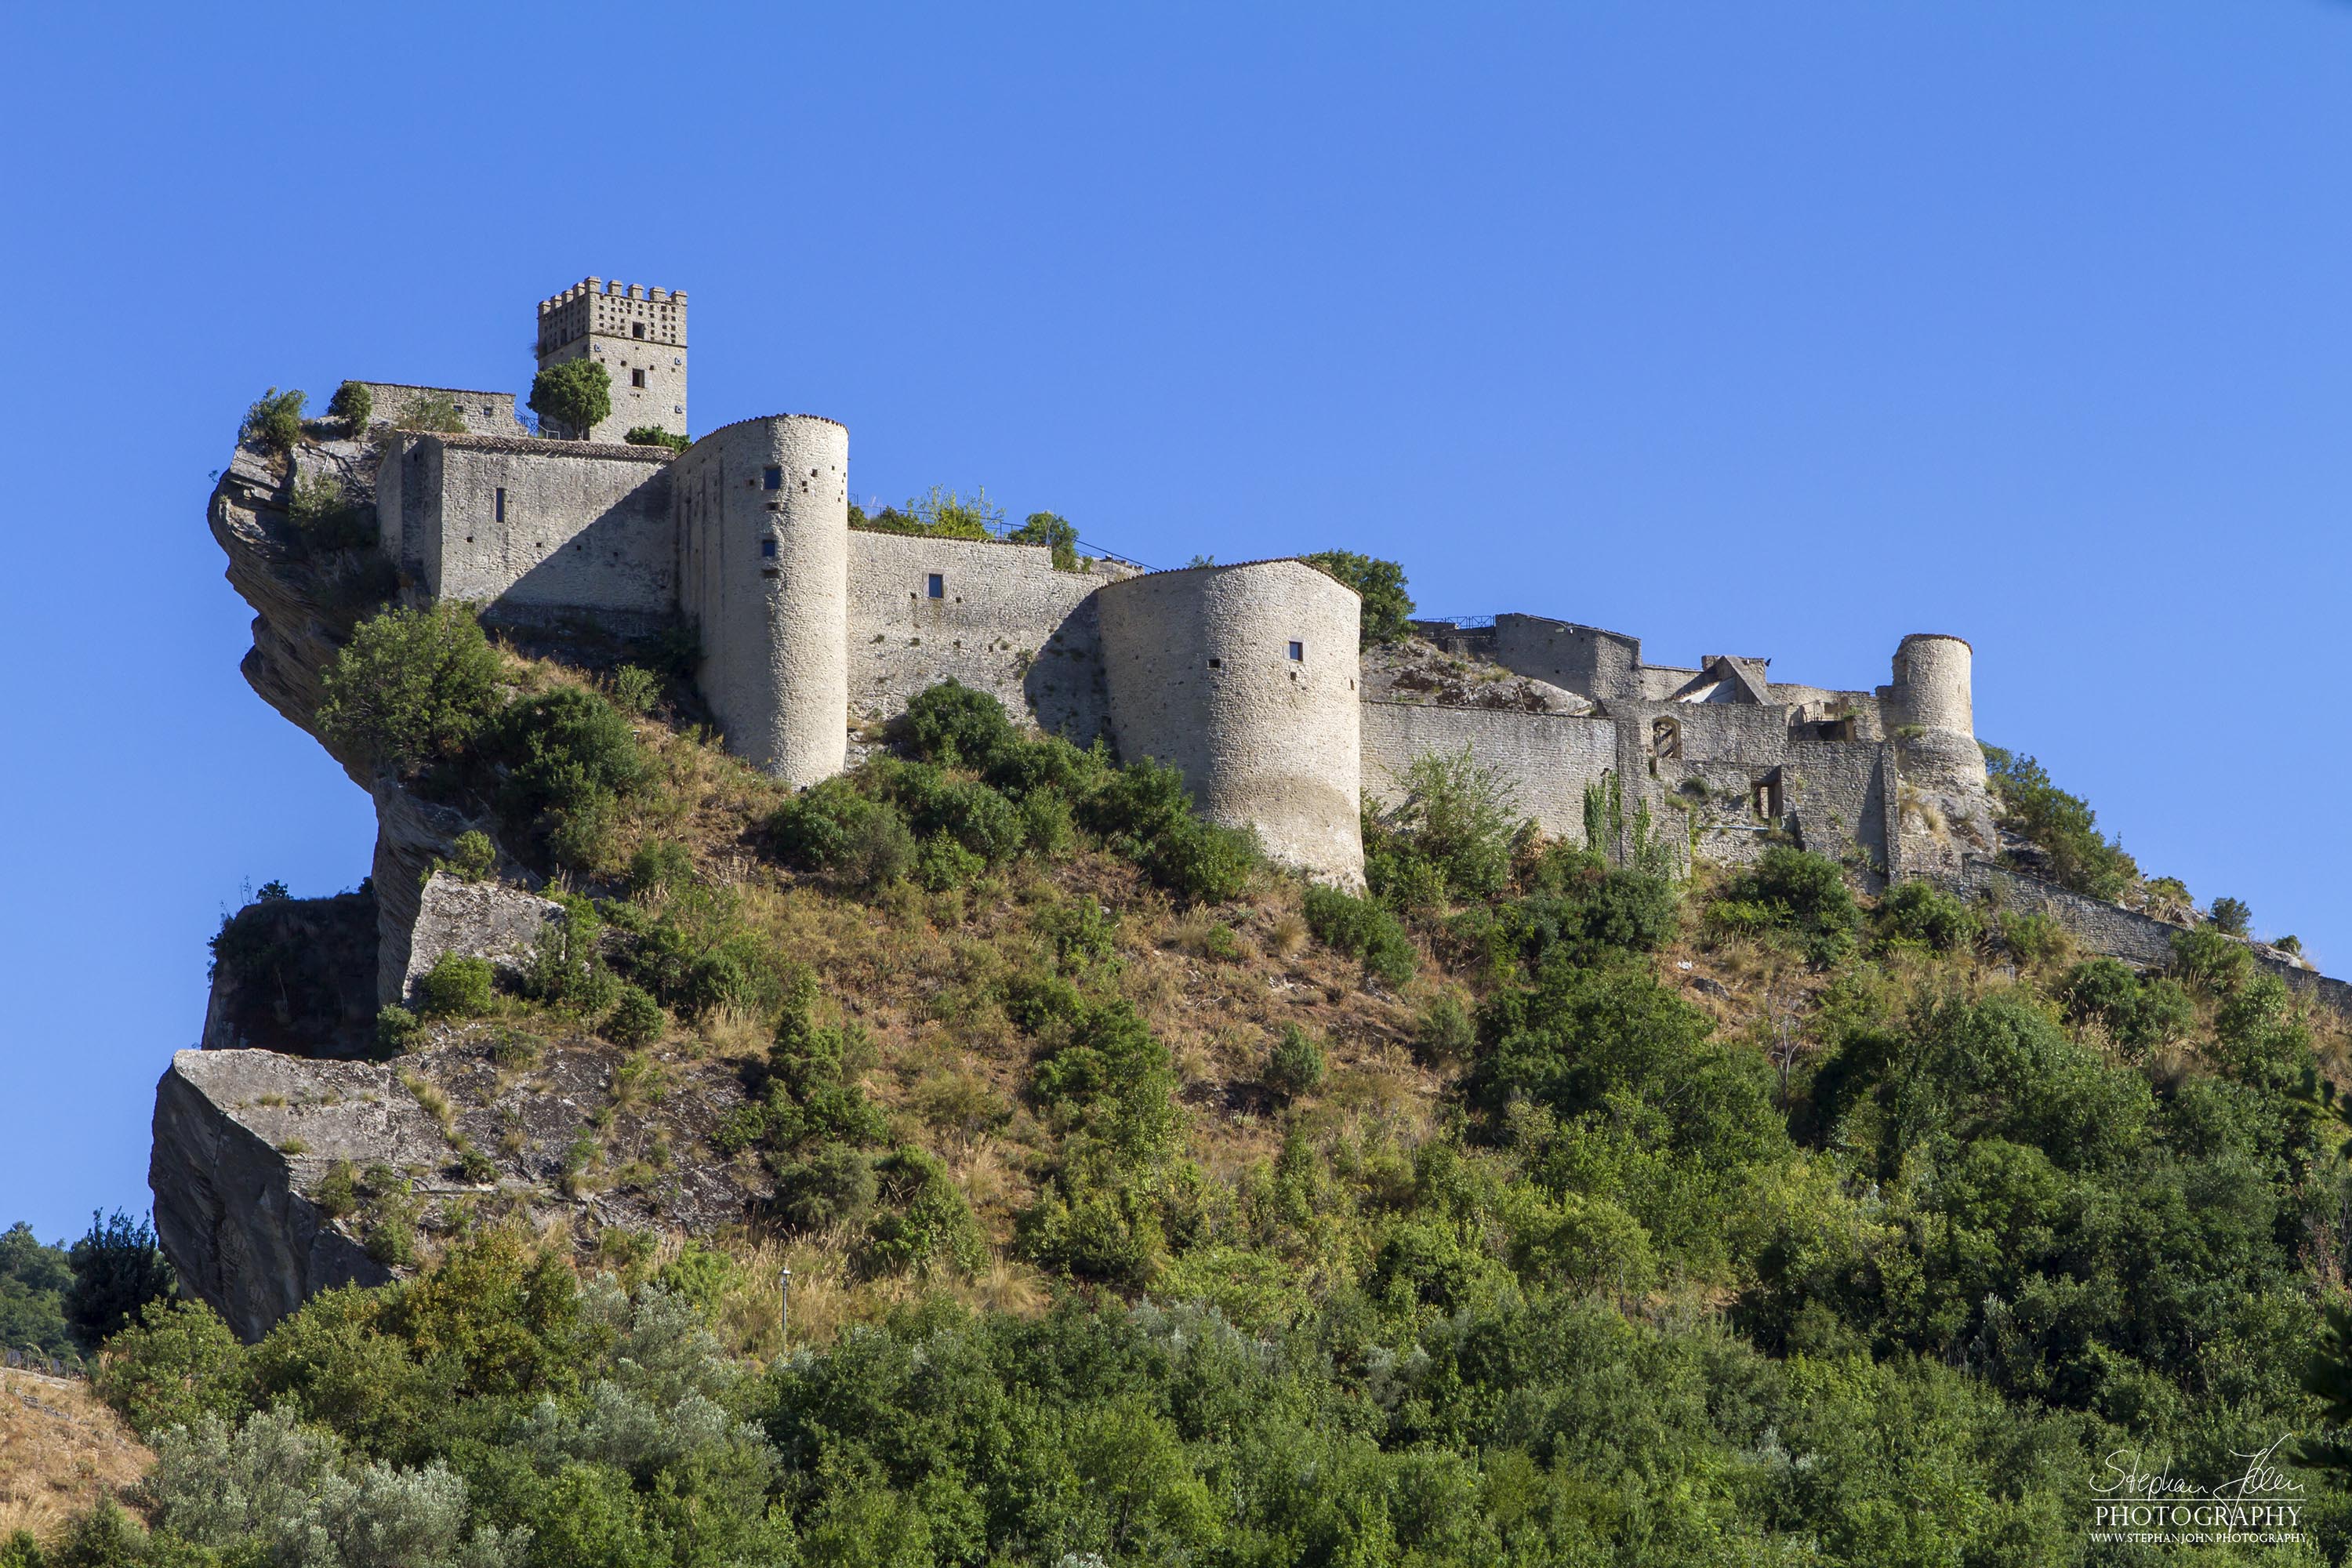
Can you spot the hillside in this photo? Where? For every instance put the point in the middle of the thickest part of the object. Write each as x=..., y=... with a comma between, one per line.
x=1143, y=1202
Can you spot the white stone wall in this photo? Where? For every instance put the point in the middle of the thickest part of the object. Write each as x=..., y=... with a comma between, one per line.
x=1200, y=676
x=774, y=627
x=1932, y=683
x=485, y=413
x=1006, y=622
x=585, y=527
x=1583, y=659
x=1548, y=758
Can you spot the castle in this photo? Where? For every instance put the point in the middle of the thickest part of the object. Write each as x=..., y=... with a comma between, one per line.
x=1247, y=678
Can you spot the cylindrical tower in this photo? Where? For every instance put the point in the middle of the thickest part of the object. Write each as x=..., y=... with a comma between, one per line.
x=1931, y=683
x=763, y=530
x=1244, y=678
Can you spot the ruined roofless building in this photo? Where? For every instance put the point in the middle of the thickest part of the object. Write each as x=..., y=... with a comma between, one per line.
x=1247, y=678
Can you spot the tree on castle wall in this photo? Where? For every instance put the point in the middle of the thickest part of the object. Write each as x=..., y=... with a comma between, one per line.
x=576, y=395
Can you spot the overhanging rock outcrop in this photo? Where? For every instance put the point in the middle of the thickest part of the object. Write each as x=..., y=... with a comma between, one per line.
x=228, y=1210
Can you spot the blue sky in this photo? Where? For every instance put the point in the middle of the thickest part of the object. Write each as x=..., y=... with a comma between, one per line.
x=1778, y=331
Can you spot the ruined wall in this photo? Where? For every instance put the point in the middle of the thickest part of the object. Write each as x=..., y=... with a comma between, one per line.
x=1004, y=621
x=1548, y=758
x=484, y=413
x=1201, y=676
x=763, y=531
x=1583, y=659
x=530, y=528
x=1836, y=795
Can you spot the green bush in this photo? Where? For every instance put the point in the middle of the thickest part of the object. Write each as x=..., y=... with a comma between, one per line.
x=411, y=688
x=2060, y=825
x=1459, y=816
x=397, y=1030
x=1920, y=914
x=472, y=856
x=955, y=726
x=433, y=411
x=1793, y=891
x=1055, y=533
x=1202, y=862
x=1364, y=931
x=1295, y=1065
x=1388, y=610
x=1445, y=1034
x=2206, y=961
x=835, y=827
x=178, y=1364
x=323, y=515
x=117, y=1268
x=2231, y=916
x=655, y=435
x=660, y=864
x=456, y=987
x=636, y=690
x=831, y=1185
x=1581, y=908
x=355, y=405
x=569, y=755
x=924, y=1222
x=636, y=1018
x=273, y=423
x=575, y=395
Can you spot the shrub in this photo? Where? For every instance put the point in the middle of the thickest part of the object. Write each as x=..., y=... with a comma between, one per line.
x=1445, y=1034
x=1579, y=908
x=1362, y=930
x=2206, y=961
x=575, y=395
x=1923, y=915
x=955, y=726
x=1793, y=891
x=2231, y=916
x=1461, y=817
x=321, y=512
x=472, y=856
x=517, y=1050
x=637, y=1019
x=433, y=411
x=2062, y=826
x=1202, y=862
x=178, y=1364
x=1583, y=1243
x=1388, y=610
x=117, y=1270
x=1295, y=1065
x=273, y=423
x=925, y=1219
x=355, y=405
x=942, y=864
x=660, y=863
x=636, y=690
x=1080, y=932
x=833, y=1184
x=1055, y=533
x=338, y=1193
x=834, y=827
x=655, y=435
x=412, y=687
x=456, y=987
x=398, y=1031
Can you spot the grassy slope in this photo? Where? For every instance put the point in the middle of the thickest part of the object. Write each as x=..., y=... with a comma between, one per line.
x=61, y=1451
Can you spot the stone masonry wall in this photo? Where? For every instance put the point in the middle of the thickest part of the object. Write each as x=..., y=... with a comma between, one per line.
x=1548, y=758
x=1004, y=622
x=485, y=413
x=531, y=527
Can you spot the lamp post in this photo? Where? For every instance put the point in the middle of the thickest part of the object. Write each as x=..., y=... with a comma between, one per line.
x=784, y=1301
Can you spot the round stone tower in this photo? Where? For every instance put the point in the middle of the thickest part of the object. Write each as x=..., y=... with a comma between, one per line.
x=1244, y=678
x=1931, y=683
x=763, y=531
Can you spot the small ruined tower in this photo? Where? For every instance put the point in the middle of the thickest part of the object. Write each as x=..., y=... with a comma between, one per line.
x=638, y=335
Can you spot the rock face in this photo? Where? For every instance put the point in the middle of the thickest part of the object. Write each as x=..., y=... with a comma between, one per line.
x=227, y=1209
x=297, y=975
x=472, y=920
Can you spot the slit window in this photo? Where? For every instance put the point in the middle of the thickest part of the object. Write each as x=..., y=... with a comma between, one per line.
x=499, y=504
x=1297, y=652
x=934, y=586
x=771, y=479
x=767, y=550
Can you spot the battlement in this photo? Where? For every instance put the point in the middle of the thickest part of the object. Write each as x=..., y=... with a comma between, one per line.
x=597, y=307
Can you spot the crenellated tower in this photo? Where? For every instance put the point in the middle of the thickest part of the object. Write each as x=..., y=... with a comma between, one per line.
x=638, y=335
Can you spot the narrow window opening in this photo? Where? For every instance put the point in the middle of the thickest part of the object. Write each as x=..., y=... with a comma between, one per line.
x=636, y=378
x=771, y=479
x=499, y=506
x=768, y=549
x=1298, y=651
x=934, y=586
x=1217, y=664
x=636, y=329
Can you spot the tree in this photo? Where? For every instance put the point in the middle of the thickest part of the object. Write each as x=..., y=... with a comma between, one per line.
x=577, y=394
x=355, y=405
x=412, y=687
x=117, y=1269
x=273, y=423
x=1388, y=610
x=2232, y=917
x=1056, y=532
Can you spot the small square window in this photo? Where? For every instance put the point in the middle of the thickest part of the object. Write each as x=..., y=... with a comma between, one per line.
x=636, y=329
x=636, y=378
x=934, y=586
x=767, y=550
x=1298, y=651
x=771, y=479
x=499, y=506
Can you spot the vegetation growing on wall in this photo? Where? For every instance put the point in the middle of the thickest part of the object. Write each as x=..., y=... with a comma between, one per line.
x=576, y=394
x=655, y=435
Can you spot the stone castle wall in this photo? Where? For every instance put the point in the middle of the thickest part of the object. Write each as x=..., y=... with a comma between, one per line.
x=1246, y=679
x=1547, y=758
x=1003, y=620
x=484, y=413
x=634, y=332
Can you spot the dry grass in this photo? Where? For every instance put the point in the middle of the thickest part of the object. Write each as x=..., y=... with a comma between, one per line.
x=61, y=1451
